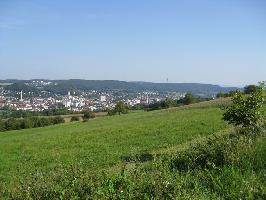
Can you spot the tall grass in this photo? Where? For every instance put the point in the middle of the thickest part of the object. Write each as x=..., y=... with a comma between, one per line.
x=226, y=166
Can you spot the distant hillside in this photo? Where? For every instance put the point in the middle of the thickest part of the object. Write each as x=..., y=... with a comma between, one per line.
x=184, y=87
x=76, y=84
x=19, y=86
x=62, y=86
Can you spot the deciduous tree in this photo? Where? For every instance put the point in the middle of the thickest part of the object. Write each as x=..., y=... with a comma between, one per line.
x=245, y=111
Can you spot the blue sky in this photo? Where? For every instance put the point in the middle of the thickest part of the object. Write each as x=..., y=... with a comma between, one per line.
x=206, y=41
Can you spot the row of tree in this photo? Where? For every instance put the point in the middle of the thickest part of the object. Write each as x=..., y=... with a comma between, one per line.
x=249, y=89
x=29, y=122
x=167, y=103
x=36, y=121
x=122, y=108
x=9, y=113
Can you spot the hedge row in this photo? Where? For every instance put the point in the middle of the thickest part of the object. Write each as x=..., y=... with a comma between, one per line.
x=30, y=122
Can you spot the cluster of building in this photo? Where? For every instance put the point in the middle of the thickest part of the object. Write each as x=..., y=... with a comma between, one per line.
x=93, y=100
x=39, y=83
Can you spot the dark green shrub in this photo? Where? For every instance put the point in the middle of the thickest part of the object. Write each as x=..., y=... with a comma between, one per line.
x=58, y=120
x=88, y=115
x=34, y=121
x=12, y=124
x=44, y=121
x=74, y=119
x=26, y=123
x=111, y=112
x=2, y=125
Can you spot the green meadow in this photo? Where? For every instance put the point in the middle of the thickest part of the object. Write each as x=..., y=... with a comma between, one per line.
x=102, y=142
x=187, y=152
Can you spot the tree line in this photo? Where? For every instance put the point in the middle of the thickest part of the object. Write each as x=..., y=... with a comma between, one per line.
x=189, y=98
x=122, y=108
x=9, y=113
x=167, y=103
x=13, y=123
x=29, y=122
x=249, y=89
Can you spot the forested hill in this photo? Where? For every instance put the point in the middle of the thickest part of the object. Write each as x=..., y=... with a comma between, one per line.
x=62, y=86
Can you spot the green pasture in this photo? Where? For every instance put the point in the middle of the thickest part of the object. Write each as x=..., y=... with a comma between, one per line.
x=102, y=142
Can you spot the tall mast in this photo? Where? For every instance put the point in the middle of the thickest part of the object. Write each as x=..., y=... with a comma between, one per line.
x=21, y=96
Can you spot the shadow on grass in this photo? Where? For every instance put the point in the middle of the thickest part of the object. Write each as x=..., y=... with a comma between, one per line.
x=143, y=157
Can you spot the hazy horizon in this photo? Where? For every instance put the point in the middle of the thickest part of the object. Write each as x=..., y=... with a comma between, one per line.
x=240, y=86
x=222, y=43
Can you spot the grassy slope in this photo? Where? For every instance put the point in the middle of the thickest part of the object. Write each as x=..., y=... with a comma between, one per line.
x=101, y=142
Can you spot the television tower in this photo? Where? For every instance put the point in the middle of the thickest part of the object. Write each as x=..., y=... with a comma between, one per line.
x=21, y=96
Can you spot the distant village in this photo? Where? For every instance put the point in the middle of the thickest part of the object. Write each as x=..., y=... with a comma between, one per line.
x=78, y=101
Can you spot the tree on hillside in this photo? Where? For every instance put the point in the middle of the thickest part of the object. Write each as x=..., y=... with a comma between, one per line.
x=121, y=108
x=17, y=87
x=221, y=94
x=189, y=98
x=245, y=110
x=229, y=94
x=251, y=89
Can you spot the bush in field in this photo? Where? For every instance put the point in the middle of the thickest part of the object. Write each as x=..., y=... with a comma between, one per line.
x=58, y=120
x=88, y=115
x=74, y=119
x=245, y=111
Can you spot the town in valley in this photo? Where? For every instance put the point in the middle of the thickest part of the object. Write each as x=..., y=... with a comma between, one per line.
x=77, y=100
